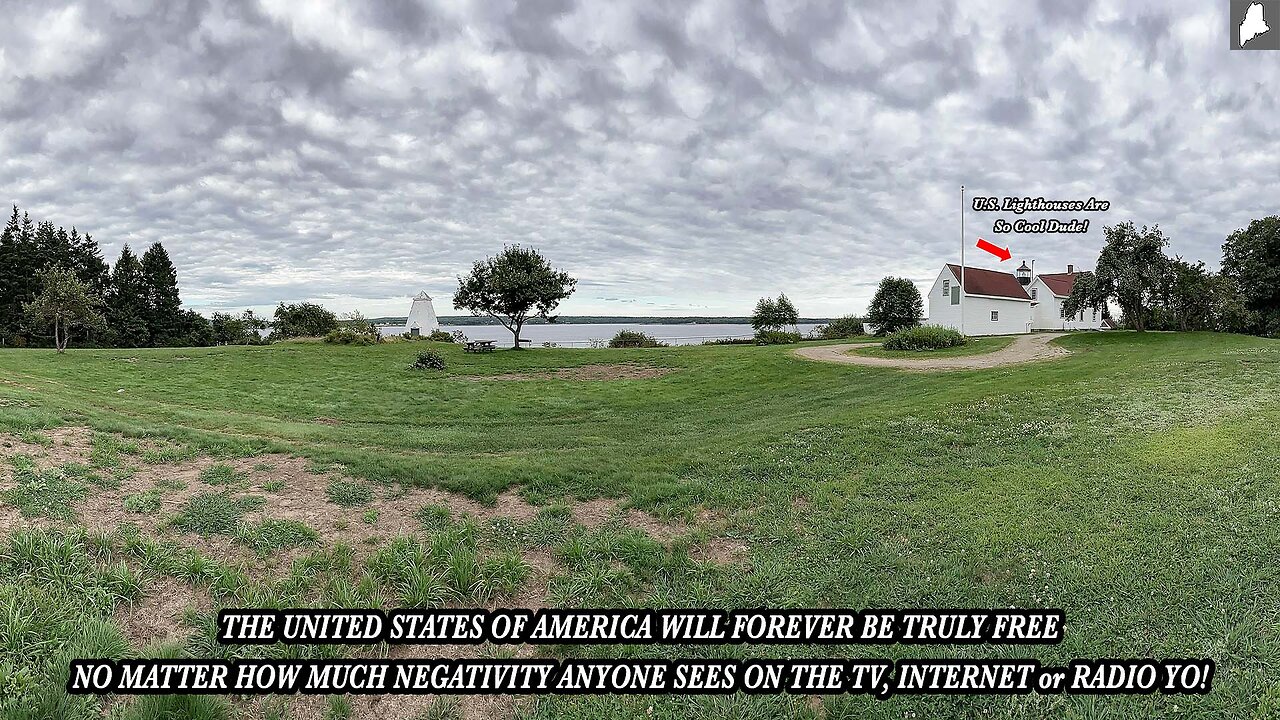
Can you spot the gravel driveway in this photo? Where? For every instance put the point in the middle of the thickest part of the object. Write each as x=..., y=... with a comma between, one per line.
x=1026, y=348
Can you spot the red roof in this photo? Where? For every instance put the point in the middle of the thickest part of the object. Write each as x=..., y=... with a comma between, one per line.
x=990, y=282
x=1060, y=284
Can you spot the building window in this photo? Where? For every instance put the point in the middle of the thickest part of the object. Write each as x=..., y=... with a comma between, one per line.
x=1095, y=316
x=995, y=316
x=955, y=295
x=1033, y=293
x=946, y=287
x=1062, y=311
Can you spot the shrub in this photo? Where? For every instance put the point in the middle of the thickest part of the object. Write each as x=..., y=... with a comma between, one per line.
x=844, y=327
x=924, y=337
x=352, y=336
x=429, y=360
x=442, y=336
x=776, y=337
x=354, y=330
x=634, y=339
x=730, y=341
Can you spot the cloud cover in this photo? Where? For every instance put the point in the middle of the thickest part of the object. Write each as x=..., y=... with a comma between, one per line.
x=676, y=157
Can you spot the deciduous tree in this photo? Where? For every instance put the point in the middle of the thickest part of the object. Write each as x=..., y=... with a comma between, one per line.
x=1132, y=270
x=512, y=287
x=1251, y=257
x=302, y=320
x=896, y=305
x=65, y=303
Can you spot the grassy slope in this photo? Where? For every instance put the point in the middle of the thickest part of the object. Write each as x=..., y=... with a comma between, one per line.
x=1132, y=484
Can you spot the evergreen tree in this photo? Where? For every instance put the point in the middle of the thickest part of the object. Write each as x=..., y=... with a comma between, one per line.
x=26, y=264
x=165, y=321
x=126, y=304
x=87, y=261
x=10, y=280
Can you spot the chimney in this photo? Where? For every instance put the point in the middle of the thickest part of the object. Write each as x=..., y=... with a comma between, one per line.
x=1071, y=269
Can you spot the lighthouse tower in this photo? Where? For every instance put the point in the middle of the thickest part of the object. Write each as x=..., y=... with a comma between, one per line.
x=422, y=316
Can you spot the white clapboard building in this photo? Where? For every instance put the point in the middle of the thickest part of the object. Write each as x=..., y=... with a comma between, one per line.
x=1001, y=303
x=1049, y=292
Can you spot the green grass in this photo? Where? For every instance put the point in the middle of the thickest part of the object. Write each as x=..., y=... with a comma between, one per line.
x=221, y=474
x=214, y=513
x=348, y=493
x=143, y=503
x=1132, y=484
x=269, y=535
x=974, y=346
x=43, y=493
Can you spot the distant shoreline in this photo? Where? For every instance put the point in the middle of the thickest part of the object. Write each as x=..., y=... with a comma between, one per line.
x=454, y=320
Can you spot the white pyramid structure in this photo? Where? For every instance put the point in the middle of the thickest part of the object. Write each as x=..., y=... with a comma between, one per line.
x=422, y=316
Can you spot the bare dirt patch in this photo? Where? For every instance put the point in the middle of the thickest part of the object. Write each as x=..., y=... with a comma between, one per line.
x=1026, y=348
x=70, y=444
x=721, y=551
x=594, y=513
x=157, y=618
x=292, y=490
x=616, y=371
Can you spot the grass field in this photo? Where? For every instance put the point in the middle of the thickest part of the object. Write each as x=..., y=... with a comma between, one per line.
x=1132, y=484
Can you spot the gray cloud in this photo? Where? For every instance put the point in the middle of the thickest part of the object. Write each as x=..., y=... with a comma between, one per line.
x=676, y=156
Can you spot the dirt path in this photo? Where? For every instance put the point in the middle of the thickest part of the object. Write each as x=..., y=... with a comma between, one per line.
x=1026, y=348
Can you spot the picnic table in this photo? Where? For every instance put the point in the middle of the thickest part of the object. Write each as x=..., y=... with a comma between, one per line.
x=479, y=346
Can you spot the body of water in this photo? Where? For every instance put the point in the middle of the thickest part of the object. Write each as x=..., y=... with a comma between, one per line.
x=566, y=335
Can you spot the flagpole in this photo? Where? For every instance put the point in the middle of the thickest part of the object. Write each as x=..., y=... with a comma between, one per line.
x=962, y=289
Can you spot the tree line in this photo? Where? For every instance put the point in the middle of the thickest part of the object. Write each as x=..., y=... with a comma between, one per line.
x=57, y=289
x=1158, y=292
x=56, y=286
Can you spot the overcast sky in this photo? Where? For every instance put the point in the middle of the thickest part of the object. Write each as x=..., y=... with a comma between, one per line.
x=675, y=157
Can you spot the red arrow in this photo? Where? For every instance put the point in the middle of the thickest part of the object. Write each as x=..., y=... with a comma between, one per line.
x=1002, y=253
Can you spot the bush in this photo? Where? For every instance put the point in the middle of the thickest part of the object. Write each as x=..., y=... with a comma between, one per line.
x=353, y=336
x=730, y=341
x=355, y=330
x=634, y=339
x=844, y=327
x=429, y=360
x=925, y=337
x=776, y=337
x=442, y=336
